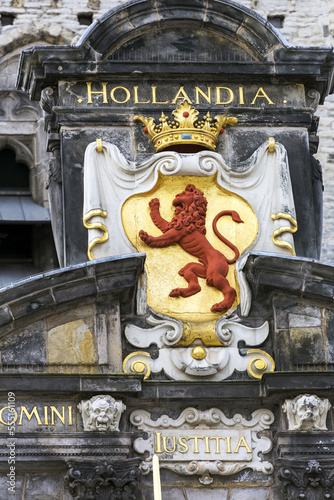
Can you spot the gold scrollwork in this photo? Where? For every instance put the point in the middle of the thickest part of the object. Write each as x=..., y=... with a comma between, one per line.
x=95, y=225
x=271, y=147
x=137, y=366
x=259, y=365
x=99, y=147
x=284, y=229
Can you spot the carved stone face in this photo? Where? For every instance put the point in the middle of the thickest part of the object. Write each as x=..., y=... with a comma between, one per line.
x=102, y=414
x=307, y=411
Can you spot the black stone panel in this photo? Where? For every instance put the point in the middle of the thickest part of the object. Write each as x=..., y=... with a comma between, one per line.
x=26, y=347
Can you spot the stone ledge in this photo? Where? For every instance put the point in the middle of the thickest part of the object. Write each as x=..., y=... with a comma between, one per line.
x=294, y=276
x=34, y=296
x=70, y=383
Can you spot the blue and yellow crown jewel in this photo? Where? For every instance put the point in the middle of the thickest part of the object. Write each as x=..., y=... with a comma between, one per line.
x=186, y=128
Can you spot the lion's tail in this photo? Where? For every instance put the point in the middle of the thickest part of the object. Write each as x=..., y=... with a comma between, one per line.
x=235, y=216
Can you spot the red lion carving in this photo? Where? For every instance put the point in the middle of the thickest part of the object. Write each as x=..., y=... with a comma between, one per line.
x=187, y=228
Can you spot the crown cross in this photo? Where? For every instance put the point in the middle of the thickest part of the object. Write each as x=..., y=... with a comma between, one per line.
x=185, y=128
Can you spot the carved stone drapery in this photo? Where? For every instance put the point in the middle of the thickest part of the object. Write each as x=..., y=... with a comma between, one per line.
x=54, y=187
x=105, y=481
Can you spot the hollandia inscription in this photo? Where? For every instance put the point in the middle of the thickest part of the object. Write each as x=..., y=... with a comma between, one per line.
x=162, y=94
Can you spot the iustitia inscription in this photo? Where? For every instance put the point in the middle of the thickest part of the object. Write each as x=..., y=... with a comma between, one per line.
x=187, y=228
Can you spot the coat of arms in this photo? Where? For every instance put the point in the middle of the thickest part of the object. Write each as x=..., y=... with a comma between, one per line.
x=196, y=217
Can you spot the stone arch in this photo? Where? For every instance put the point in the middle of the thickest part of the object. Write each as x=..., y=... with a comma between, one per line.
x=228, y=19
x=23, y=151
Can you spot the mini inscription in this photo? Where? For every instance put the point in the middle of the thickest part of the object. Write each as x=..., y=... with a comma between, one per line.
x=44, y=415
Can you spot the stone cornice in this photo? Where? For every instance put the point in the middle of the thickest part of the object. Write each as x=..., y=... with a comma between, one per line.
x=39, y=295
x=270, y=56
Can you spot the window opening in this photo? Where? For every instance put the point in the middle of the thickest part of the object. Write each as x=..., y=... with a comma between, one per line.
x=16, y=242
x=14, y=176
x=276, y=21
x=85, y=19
x=7, y=19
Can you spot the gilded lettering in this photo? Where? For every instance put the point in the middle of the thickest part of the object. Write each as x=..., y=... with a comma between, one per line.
x=195, y=438
x=261, y=94
x=230, y=93
x=135, y=90
x=46, y=416
x=241, y=95
x=29, y=416
x=127, y=93
x=228, y=444
x=200, y=92
x=217, y=443
x=181, y=94
x=70, y=422
x=103, y=92
x=55, y=411
x=242, y=444
x=12, y=410
x=181, y=443
x=207, y=444
x=158, y=442
x=164, y=443
x=154, y=97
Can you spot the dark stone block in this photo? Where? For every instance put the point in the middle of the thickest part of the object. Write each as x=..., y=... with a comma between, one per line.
x=307, y=346
x=26, y=347
x=282, y=350
x=44, y=486
x=329, y=325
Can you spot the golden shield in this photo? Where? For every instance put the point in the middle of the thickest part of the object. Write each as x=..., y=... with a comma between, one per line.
x=163, y=264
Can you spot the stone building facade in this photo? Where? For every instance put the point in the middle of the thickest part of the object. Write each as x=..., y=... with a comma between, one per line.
x=26, y=23
x=104, y=365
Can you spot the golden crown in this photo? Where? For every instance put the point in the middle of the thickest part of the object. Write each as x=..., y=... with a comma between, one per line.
x=185, y=129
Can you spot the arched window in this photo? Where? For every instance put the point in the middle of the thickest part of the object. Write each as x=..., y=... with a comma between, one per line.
x=14, y=176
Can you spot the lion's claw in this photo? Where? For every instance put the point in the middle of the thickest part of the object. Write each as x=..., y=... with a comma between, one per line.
x=220, y=306
x=154, y=204
x=175, y=293
x=143, y=235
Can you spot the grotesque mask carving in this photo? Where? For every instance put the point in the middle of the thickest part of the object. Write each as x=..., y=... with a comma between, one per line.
x=101, y=413
x=306, y=412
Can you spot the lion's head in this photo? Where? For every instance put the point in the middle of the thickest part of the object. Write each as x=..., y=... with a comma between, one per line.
x=190, y=210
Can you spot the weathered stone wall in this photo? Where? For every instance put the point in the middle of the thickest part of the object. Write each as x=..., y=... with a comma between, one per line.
x=305, y=22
